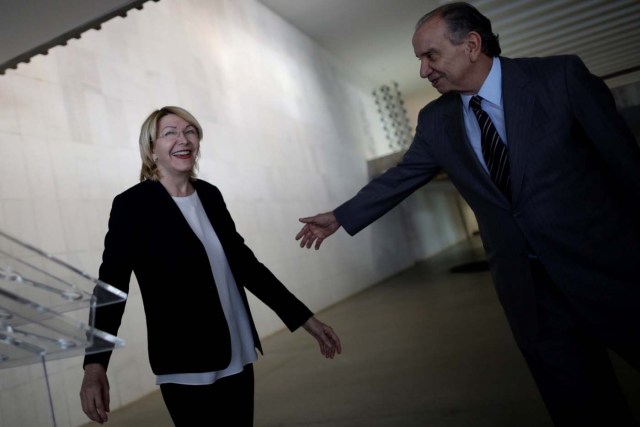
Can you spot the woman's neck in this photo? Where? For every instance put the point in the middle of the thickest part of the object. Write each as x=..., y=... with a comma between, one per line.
x=178, y=187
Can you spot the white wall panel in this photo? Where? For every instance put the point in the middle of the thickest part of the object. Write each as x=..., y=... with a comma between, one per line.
x=287, y=130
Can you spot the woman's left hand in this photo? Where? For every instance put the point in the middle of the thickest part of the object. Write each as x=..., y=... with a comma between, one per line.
x=326, y=337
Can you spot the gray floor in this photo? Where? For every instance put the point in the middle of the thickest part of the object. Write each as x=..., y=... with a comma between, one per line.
x=427, y=347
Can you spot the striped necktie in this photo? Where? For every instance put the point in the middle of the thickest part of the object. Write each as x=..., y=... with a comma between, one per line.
x=494, y=151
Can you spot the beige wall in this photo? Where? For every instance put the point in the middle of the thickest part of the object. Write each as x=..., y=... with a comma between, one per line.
x=286, y=133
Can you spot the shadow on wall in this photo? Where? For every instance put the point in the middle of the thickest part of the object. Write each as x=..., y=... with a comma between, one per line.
x=632, y=116
x=627, y=99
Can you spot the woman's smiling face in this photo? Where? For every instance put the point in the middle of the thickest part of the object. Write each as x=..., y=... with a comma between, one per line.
x=176, y=146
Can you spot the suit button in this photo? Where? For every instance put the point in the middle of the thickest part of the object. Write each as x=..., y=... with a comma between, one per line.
x=516, y=214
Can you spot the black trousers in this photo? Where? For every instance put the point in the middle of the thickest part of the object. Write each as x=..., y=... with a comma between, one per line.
x=571, y=367
x=227, y=402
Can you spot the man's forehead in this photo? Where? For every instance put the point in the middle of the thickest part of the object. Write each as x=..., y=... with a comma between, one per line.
x=430, y=32
x=434, y=24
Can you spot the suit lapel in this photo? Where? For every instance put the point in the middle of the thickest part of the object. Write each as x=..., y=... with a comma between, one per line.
x=519, y=118
x=454, y=127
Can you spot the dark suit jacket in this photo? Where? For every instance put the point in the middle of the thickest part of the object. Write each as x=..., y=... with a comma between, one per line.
x=575, y=171
x=186, y=327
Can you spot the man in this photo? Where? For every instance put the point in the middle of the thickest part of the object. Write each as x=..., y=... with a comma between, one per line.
x=552, y=174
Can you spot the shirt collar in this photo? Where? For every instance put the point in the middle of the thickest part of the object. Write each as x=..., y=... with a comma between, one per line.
x=491, y=89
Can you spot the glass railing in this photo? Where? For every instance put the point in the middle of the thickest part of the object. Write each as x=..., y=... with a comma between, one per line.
x=47, y=307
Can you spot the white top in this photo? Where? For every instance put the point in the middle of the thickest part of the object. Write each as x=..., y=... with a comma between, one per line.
x=243, y=349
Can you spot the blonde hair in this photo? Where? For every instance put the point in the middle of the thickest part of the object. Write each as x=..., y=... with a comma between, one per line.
x=148, y=134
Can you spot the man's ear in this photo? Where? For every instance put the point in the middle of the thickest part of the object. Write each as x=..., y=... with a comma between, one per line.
x=473, y=45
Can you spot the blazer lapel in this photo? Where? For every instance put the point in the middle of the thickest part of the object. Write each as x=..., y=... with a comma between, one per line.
x=212, y=207
x=170, y=213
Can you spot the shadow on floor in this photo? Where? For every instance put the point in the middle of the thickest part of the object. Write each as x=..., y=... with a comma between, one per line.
x=423, y=348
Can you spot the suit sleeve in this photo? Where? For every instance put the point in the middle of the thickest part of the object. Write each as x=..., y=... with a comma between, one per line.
x=379, y=196
x=115, y=270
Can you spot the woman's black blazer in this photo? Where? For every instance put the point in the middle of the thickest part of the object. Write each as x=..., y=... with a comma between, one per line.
x=186, y=327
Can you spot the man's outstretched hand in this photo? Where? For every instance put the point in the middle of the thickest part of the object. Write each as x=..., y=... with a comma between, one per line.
x=316, y=229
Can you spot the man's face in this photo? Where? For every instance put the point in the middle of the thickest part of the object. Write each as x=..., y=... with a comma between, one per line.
x=447, y=66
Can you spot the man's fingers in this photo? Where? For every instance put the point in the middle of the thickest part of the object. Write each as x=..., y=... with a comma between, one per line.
x=310, y=242
x=307, y=237
x=303, y=231
x=307, y=219
x=304, y=241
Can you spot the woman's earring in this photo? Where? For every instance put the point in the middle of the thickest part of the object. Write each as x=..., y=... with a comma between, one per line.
x=155, y=159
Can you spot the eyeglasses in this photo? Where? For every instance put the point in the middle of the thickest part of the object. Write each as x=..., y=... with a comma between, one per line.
x=172, y=135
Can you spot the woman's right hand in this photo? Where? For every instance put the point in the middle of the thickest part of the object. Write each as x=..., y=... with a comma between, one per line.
x=327, y=339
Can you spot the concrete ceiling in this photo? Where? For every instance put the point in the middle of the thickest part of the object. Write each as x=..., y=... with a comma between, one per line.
x=375, y=35
x=32, y=27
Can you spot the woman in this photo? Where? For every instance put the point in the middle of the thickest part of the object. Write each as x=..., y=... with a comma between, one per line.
x=176, y=234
